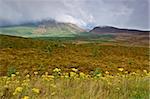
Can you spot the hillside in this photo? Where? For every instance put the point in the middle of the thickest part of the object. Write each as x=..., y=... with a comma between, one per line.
x=45, y=69
x=45, y=28
x=40, y=55
x=131, y=36
x=50, y=29
x=110, y=29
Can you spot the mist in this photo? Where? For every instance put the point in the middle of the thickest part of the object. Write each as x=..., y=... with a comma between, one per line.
x=85, y=13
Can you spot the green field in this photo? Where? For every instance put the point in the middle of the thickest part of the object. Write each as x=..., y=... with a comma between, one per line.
x=34, y=31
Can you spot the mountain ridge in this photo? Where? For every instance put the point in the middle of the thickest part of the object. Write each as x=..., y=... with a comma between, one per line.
x=111, y=29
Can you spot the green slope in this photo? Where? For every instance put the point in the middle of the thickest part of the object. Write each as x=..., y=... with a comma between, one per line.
x=57, y=30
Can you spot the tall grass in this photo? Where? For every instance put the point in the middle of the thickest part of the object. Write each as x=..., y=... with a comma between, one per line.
x=75, y=85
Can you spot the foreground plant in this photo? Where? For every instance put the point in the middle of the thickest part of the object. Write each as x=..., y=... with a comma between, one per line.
x=76, y=85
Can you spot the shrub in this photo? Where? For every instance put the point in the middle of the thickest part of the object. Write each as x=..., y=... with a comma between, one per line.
x=97, y=73
x=11, y=70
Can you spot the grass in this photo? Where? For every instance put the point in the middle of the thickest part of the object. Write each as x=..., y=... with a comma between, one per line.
x=84, y=70
x=23, y=53
x=17, y=31
x=75, y=85
x=33, y=31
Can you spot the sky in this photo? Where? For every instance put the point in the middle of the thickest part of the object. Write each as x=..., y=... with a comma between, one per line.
x=85, y=13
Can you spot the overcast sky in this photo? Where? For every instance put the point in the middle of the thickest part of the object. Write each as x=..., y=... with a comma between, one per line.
x=85, y=13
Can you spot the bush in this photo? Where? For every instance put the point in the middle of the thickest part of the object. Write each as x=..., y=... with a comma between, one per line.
x=11, y=70
x=97, y=73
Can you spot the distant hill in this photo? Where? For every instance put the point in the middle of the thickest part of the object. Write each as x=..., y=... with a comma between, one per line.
x=44, y=28
x=109, y=29
x=131, y=36
x=51, y=29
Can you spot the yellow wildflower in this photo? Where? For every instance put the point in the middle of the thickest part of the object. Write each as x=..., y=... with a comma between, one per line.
x=66, y=75
x=27, y=75
x=133, y=73
x=117, y=88
x=52, y=85
x=82, y=74
x=98, y=75
x=25, y=84
x=118, y=74
x=46, y=78
x=106, y=72
x=120, y=69
x=148, y=74
x=123, y=75
x=145, y=71
x=51, y=77
x=25, y=97
x=126, y=72
x=43, y=76
x=17, y=73
x=46, y=73
x=13, y=75
x=88, y=76
x=4, y=77
x=18, y=90
x=56, y=70
x=74, y=69
x=36, y=90
x=72, y=74
x=35, y=73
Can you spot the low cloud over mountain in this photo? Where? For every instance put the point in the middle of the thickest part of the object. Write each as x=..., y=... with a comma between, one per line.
x=85, y=13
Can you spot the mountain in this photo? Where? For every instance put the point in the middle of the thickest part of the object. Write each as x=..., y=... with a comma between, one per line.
x=109, y=29
x=131, y=36
x=44, y=28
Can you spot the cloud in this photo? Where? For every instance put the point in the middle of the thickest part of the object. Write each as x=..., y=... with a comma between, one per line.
x=85, y=13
